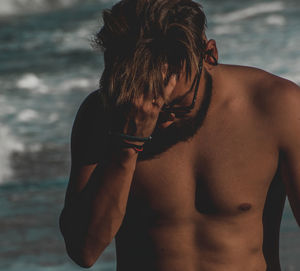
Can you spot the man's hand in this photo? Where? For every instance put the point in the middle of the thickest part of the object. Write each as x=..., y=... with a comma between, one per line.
x=140, y=118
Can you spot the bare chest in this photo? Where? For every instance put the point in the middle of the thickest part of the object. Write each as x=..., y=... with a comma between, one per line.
x=226, y=169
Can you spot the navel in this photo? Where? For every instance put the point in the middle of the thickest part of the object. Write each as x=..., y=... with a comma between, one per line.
x=245, y=207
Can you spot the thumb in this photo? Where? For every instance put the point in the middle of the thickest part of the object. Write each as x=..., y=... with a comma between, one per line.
x=170, y=87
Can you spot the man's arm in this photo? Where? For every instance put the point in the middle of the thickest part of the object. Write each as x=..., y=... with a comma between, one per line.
x=286, y=122
x=101, y=176
x=98, y=188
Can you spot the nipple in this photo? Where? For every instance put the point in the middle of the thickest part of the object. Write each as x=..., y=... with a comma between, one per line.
x=245, y=207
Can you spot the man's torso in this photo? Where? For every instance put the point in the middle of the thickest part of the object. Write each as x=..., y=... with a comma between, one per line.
x=214, y=202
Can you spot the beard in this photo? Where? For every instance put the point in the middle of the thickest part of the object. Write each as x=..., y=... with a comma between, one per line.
x=183, y=130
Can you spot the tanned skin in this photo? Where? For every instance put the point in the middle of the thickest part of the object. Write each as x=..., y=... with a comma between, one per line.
x=211, y=203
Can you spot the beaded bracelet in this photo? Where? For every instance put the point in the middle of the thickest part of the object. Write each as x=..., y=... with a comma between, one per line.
x=131, y=138
x=137, y=148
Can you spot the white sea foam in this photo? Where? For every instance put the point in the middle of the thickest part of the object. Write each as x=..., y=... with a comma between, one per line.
x=13, y=7
x=75, y=83
x=28, y=81
x=226, y=29
x=8, y=144
x=276, y=20
x=27, y=115
x=78, y=39
x=261, y=8
x=31, y=81
x=53, y=117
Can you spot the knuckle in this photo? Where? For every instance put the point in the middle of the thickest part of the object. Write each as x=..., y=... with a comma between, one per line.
x=152, y=114
x=146, y=107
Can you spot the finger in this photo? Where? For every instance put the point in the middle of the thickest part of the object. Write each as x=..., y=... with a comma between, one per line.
x=170, y=87
x=157, y=102
x=164, y=70
x=139, y=101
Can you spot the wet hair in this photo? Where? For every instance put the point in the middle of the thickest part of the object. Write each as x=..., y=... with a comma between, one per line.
x=139, y=37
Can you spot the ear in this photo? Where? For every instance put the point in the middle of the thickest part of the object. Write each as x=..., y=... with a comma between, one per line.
x=211, y=55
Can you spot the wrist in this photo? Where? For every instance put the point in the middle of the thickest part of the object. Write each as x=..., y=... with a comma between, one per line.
x=129, y=145
x=130, y=138
x=124, y=156
x=123, y=148
x=137, y=143
x=127, y=142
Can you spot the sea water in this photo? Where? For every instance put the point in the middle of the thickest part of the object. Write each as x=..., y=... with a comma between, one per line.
x=47, y=67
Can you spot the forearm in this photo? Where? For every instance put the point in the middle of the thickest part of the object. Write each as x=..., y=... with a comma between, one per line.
x=90, y=221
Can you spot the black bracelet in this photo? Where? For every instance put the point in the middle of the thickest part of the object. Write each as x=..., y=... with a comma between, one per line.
x=131, y=138
x=137, y=148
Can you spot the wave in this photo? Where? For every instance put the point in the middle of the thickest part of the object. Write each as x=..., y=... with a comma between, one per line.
x=262, y=8
x=27, y=115
x=37, y=85
x=15, y=7
x=276, y=20
x=31, y=81
x=8, y=145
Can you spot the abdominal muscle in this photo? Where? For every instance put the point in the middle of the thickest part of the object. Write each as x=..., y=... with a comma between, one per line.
x=199, y=243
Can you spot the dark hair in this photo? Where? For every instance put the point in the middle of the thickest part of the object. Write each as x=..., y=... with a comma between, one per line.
x=139, y=37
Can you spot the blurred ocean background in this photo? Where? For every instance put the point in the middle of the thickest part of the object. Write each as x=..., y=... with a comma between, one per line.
x=47, y=67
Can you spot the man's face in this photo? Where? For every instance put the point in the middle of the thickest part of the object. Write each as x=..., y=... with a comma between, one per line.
x=181, y=129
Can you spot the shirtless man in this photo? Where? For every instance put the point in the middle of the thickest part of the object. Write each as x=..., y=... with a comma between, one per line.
x=207, y=192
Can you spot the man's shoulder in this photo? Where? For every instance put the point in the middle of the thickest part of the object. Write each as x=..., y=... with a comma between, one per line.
x=268, y=92
x=276, y=100
x=254, y=77
x=274, y=95
x=92, y=103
